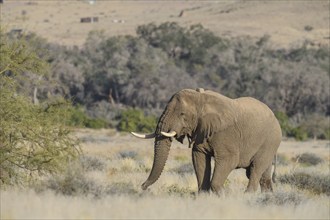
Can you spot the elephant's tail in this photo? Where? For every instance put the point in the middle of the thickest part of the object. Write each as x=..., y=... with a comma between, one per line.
x=274, y=171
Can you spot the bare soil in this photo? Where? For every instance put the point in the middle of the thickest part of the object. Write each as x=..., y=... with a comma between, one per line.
x=287, y=22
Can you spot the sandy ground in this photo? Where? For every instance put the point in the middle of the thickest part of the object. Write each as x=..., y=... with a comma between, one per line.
x=287, y=22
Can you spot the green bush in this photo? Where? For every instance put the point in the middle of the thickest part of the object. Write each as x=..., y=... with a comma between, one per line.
x=80, y=119
x=298, y=133
x=135, y=120
x=34, y=138
x=326, y=134
x=96, y=123
x=283, y=119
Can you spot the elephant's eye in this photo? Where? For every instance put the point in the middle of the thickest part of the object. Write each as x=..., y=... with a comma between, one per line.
x=182, y=114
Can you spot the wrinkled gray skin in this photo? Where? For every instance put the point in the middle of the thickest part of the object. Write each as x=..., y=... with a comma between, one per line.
x=238, y=133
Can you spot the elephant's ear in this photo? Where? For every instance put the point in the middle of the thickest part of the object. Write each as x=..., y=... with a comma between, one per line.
x=211, y=123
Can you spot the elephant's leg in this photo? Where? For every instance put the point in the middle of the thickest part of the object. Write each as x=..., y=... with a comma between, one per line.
x=266, y=180
x=255, y=175
x=222, y=169
x=202, y=166
x=257, y=169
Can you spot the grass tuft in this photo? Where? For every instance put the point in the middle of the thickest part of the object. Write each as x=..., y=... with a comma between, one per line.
x=280, y=199
x=74, y=183
x=175, y=189
x=92, y=163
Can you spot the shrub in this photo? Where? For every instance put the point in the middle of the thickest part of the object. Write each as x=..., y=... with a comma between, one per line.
x=80, y=119
x=313, y=182
x=283, y=119
x=33, y=137
x=326, y=134
x=309, y=159
x=96, y=123
x=298, y=133
x=134, y=120
x=73, y=182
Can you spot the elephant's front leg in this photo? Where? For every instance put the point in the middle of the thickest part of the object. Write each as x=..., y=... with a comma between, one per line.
x=202, y=166
x=222, y=168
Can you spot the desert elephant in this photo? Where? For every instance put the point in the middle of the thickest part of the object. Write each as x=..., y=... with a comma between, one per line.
x=238, y=133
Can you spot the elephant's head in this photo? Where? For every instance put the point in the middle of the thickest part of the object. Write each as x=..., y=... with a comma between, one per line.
x=179, y=119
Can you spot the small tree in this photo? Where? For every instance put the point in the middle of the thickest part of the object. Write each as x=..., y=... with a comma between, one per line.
x=33, y=138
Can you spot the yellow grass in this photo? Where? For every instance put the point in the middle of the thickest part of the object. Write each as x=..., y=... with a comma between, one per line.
x=172, y=196
x=29, y=205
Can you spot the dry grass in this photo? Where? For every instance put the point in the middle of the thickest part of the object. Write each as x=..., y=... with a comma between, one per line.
x=29, y=205
x=105, y=183
x=287, y=22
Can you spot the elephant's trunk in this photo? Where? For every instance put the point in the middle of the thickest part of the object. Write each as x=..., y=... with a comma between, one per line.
x=161, y=150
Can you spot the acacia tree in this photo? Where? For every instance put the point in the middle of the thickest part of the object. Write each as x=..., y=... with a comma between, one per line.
x=33, y=137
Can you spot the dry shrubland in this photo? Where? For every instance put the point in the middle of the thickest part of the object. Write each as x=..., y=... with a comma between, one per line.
x=105, y=183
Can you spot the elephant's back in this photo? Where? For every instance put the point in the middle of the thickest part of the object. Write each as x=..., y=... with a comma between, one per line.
x=254, y=106
x=258, y=116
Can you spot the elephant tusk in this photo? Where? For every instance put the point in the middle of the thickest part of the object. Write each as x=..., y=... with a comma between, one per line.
x=171, y=134
x=144, y=136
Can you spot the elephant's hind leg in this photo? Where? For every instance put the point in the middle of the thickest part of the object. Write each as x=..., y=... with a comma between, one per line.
x=202, y=166
x=259, y=172
x=266, y=180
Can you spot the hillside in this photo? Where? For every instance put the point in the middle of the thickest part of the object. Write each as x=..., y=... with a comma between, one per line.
x=287, y=22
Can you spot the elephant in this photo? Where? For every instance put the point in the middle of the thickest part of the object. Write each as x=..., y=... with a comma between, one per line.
x=237, y=133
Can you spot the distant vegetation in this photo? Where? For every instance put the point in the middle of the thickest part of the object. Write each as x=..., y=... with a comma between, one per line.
x=110, y=76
